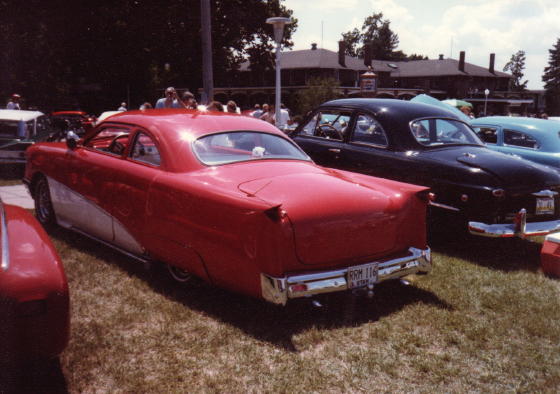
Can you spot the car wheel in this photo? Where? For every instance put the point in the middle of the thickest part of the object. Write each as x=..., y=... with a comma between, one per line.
x=178, y=274
x=43, y=204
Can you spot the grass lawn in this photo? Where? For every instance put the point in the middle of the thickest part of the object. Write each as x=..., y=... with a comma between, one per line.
x=484, y=320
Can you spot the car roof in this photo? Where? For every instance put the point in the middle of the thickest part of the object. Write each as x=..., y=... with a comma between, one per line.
x=533, y=124
x=181, y=123
x=18, y=114
x=392, y=107
x=175, y=129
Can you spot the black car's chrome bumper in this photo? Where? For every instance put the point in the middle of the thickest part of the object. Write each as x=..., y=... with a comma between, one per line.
x=520, y=228
x=279, y=290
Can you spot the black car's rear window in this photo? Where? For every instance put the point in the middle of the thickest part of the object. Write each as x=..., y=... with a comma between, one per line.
x=433, y=132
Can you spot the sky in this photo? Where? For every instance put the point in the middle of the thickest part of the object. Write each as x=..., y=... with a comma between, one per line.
x=434, y=27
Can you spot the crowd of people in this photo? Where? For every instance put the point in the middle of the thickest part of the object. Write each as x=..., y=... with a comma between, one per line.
x=264, y=112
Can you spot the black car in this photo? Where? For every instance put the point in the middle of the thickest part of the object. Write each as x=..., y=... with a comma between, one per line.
x=498, y=195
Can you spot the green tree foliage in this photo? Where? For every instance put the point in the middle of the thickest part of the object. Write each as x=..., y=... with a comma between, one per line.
x=318, y=91
x=516, y=65
x=376, y=32
x=551, y=79
x=67, y=53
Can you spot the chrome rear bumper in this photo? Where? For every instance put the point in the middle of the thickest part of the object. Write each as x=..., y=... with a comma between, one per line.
x=279, y=290
x=520, y=228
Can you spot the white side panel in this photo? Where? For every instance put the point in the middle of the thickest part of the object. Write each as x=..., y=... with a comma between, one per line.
x=123, y=239
x=74, y=210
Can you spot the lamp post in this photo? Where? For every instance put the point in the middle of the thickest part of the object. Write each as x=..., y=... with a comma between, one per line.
x=486, y=93
x=278, y=24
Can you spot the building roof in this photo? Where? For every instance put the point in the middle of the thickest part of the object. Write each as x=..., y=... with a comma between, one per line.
x=324, y=58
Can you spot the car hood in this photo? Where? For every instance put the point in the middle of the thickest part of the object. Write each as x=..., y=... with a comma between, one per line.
x=333, y=219
x=508, y=170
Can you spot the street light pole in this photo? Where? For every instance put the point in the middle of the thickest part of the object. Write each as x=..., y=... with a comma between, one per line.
x=206, y=35
x=486, y=93
x=278, y=23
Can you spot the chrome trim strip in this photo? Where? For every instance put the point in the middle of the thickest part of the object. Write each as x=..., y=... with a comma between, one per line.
x=5, y=239
x=277, y=290
x=443, y=206
x=522, y=229
x=120, y=250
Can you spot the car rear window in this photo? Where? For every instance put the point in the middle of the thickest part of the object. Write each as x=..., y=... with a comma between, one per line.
x=232, y=147
x=434, y=132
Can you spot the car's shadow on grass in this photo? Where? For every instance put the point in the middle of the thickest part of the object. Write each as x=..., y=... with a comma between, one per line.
x=259, y=319
x=504, y=254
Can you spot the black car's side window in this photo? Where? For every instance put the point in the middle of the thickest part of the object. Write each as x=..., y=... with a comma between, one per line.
x=488, y=135
x=330, y=124
x=145, y=150
x=367, y=130
x=517, y=138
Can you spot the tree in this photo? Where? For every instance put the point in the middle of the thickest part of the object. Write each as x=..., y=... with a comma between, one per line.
x=95, y=55
x=551, y=79
x=376, y=32
x=317, y=92
x=516, y=65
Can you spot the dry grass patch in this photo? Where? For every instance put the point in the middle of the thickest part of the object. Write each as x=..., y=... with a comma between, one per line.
x=484, y=320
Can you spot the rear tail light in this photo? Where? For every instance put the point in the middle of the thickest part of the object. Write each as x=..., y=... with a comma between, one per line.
x=298, y=288
x=499, y=193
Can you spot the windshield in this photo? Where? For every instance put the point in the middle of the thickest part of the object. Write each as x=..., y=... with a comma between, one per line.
x=434, y=132
x=232, y=147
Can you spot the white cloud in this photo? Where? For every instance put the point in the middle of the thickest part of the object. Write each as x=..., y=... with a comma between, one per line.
x=432, y=27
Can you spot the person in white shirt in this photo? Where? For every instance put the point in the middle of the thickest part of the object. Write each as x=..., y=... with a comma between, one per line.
x=284, y=117
x=13, y=103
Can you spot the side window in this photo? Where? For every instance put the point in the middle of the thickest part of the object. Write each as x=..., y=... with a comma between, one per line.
x=113, y=140
x=488, y=135
x=516, y=138
x=328, y=124
x=368, y=131
x=145, y=150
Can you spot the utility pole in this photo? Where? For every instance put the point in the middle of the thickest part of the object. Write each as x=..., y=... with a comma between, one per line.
x=206, y=30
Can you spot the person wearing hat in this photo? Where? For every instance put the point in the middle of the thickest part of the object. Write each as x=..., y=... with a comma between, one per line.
x=13, y=103
x=171, y=100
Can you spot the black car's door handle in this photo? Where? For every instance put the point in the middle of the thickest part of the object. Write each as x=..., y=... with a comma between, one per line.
x=334, y=150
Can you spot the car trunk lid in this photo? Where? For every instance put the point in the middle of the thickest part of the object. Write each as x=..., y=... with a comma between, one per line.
x=333, y=219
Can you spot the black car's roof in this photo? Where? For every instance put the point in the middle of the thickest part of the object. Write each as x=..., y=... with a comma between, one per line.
x=387, y=108
x=395, y=116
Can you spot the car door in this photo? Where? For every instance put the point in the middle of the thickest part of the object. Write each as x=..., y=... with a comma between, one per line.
x=369, y=151
x=132, y=185
x=84, y=198
x=322, y=136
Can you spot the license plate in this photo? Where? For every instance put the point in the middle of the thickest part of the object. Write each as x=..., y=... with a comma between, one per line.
x=362, y=275
x=545, y=206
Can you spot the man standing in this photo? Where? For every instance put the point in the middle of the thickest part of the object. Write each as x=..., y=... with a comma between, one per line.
x=284, y=117
x=13, y=103
x=171, y=100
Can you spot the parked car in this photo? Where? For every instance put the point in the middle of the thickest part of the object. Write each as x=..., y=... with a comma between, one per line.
x=78, y=121
x=531, y=138
x=18, y=130
x=34, y=302
x=230, y=199
x=494, y=194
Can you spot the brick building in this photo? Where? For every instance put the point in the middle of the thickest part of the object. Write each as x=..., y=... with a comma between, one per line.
x=441, y=78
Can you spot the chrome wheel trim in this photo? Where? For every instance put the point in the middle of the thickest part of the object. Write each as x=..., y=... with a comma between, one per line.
x=178, y=274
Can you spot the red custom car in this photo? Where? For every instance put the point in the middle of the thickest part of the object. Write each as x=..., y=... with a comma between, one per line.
x=33, y=290
x=230, y=199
